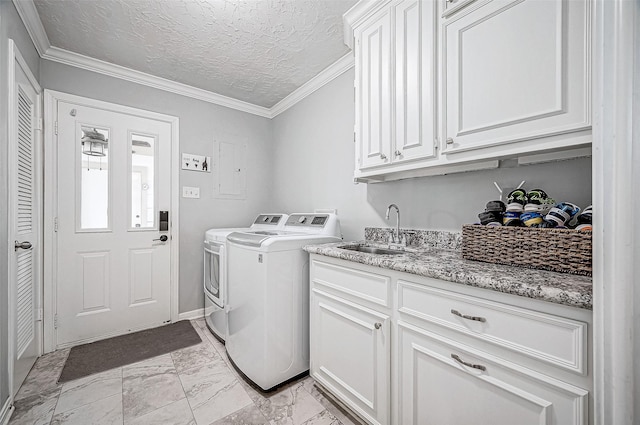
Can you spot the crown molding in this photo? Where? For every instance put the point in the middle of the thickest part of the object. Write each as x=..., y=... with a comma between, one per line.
x=325, y=76
x=355, y=16
x=90, y=64
x=31, y=19
x=29, y=15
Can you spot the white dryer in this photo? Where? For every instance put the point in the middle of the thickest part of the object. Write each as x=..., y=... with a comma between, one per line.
x=215, y=269
x=268, y=299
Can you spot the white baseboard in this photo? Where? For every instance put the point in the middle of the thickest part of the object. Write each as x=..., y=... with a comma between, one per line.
x=6, y=412
x=191, y=315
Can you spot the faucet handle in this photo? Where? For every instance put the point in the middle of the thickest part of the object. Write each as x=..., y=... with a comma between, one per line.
x=407, y=236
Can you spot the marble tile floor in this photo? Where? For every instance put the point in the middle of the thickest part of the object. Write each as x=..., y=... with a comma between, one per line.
x=193, y=386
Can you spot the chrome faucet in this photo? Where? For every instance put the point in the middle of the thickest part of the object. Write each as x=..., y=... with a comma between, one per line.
x=394, y=240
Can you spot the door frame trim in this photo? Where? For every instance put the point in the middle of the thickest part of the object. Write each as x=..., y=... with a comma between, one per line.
x=51, y=98
x=15, y=58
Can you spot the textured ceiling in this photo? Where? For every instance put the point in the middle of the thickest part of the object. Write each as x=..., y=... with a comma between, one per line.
x=258, y=51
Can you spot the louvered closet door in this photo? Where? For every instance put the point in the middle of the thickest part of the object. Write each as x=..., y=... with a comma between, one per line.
x=25, y=294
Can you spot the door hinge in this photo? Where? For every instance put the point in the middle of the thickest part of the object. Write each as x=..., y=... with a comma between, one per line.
x=354, y=137
x=39, y=313
x=40, y=123
x=435, y=143
x=55, y=127
x=55, y=224
x=55, y=321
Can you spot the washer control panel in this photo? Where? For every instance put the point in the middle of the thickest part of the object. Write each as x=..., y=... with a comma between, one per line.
x=313, y=220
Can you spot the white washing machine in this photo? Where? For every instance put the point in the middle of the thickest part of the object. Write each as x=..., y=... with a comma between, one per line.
x=215, y=269
x=268, y=299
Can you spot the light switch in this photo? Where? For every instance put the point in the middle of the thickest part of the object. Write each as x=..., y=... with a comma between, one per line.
x=190, y=192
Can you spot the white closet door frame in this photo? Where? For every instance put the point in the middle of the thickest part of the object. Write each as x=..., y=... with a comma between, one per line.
x=15, y=58
x=616, y=233
x=51, y=99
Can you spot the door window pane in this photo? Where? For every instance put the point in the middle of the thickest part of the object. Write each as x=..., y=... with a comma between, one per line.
x=94, y=192
x=143, y=211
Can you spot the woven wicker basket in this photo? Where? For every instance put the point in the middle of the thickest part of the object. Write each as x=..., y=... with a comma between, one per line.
x=558, y=250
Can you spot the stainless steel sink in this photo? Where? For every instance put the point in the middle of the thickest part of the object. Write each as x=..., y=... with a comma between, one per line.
x=372, y=250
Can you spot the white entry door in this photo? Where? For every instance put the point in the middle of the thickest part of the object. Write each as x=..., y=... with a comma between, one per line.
x=24, y=219
x=113, y=249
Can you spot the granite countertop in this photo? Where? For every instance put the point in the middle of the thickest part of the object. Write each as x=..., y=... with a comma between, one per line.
x=448, y=265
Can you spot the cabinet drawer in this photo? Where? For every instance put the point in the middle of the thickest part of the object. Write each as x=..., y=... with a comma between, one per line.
x=368, y=286
x=444, y=382
x=552, y=339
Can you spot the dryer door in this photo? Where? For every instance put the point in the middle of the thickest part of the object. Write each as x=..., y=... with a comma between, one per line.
x=213, y=271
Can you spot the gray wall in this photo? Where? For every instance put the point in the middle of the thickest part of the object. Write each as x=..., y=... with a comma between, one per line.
x=11, y=27
x=314, y=164
x=200, y=122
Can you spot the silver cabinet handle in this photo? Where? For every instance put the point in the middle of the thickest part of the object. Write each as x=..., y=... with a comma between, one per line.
x=398, y=153
x=22, y=245
x=378, y=325
x=383, y=156
x=449, y=141
x=474, y=366
x=466, y=316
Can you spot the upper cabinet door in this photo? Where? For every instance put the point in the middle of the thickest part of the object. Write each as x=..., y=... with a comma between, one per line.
x=515, y=70
x=373, y=91
x=415, y=79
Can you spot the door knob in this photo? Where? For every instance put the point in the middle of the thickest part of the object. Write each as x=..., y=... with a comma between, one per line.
x=162, y=238
x=22, y=245
x=378, y=325
x=383, y=156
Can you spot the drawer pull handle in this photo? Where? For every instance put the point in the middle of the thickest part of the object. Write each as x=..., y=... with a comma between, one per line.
x=474, y=366
x=466, y=316
x=378, y=325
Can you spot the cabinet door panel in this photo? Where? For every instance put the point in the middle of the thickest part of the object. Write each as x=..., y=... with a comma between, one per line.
x=350, y=355
x=516, y=70
x=415, y=81
x=373, y=92
x=501, y=394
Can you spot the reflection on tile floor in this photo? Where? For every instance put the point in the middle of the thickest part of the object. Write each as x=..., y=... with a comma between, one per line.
x=193, y=386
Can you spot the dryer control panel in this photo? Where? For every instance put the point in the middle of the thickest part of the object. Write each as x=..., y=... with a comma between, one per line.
x=272, y=219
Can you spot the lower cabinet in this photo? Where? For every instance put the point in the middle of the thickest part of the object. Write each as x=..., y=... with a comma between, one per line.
x=443, y=382
x=350, y=354
x=445, y=357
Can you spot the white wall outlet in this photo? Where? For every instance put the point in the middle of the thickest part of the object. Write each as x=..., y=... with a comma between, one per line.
x=190, y=192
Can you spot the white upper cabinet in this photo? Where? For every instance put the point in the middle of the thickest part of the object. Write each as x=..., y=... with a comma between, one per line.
x=445, y=86
x=373, y=91
x=395, y=51
x=415, y=79
x=515, y=71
